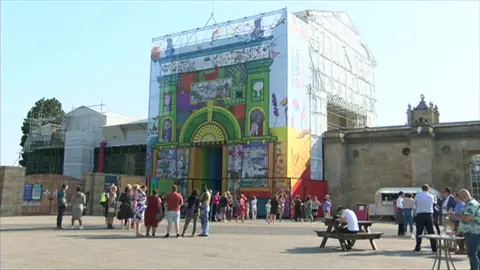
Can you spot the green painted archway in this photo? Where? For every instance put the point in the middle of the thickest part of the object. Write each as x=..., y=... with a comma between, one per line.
x=210, y=113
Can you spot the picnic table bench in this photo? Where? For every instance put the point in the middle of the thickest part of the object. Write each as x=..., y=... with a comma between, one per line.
x=347, y=240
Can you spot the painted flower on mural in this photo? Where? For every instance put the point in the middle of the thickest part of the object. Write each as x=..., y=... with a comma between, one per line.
x=275, y=108
x=302, y=117
x=296, y=108
x=284, y=104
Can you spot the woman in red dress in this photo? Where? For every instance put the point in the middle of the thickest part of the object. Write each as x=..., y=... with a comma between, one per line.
x=242, y=208
x=153, y=213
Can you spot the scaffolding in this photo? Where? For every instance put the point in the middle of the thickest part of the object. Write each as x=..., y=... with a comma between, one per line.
x=44, y=145
x=52, y=141
x=342, y=82
x=217, y=31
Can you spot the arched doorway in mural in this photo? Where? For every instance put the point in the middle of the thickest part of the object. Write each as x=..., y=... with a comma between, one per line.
x=475, y=175
x=208, y=132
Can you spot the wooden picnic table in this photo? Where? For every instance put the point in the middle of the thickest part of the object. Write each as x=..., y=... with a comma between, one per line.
x=335, y=229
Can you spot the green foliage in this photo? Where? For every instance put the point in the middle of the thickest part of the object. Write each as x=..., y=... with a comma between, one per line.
x=44, y=110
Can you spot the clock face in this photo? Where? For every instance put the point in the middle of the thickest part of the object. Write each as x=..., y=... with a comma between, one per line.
x=419, y=129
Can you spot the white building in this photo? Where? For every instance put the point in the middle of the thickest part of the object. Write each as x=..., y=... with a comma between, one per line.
x=81, y=132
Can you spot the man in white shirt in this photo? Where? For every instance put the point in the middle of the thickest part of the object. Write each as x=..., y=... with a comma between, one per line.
x=424, y=219
x=349, y=217
x=399, y=214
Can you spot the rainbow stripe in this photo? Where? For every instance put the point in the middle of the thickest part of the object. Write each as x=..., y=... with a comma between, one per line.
x=208, y=168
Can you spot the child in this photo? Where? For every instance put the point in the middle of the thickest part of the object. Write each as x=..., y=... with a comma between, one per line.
x=267, y=210
x=247, y=209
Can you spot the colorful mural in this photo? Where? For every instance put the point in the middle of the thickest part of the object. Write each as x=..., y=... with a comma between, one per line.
x=299, y=138
x=233, y=112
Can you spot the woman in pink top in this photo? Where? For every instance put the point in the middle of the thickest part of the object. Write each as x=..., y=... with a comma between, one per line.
x=215, y=209
x=241, y=211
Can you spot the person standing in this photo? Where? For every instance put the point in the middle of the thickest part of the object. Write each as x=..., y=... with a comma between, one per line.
x=456, y=221
x=215, y=207
x=315, y=205
x=111, y=206
x=229, y=206
x=327, y=206
x=399, y=214
x=174, y=203
x=308, y=209
x=298, y=209
x=242, y=208
x=223, y=204
x=78, y=203
x=408, y=205
x=281, y=207
x=268, y=207
x=153, y=213
x=191, y=212
x=125, y=215
x=253, y=207
x=424, y=219
x=61, y=205
x=470, y=227
x=205, y=207
x=448, y=204
x=273, y=209
x=103, y=199
x=140, y=207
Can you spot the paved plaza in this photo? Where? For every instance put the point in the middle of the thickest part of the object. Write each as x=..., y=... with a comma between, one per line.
x=30, y=242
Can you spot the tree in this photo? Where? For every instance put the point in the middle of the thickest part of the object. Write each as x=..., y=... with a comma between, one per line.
x=44, y=111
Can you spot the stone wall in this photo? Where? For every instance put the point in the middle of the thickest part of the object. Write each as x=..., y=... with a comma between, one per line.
x=12, y=180
x=359, y=162
x=95, y=184
x=51, y=183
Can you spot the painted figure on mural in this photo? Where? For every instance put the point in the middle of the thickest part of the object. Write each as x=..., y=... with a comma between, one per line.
x=211, y=90
x=256, y=123
x=166, y=164
x=235, y=156
x=167, y=130
x=255, y=163
x=167, y=102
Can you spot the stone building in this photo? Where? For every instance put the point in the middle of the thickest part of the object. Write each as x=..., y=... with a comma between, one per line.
x=358, y=162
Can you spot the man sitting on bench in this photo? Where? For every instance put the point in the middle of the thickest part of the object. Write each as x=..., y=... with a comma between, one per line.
x=348, y=216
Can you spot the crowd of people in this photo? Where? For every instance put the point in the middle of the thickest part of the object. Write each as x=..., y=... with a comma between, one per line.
x=134, y=208
x=458, y=213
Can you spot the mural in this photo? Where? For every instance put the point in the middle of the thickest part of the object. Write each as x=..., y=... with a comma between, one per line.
x=299, y=139
x=222, y=108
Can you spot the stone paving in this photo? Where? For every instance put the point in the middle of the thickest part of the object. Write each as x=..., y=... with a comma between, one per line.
x=30, y=242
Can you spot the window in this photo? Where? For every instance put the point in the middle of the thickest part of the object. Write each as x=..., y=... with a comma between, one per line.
x=475, y=175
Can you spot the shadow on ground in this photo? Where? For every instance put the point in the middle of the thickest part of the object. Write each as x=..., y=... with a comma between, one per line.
x=399, y=253
x=46, y=228
x=393, y=236
x=108, y=237
x=311, y=250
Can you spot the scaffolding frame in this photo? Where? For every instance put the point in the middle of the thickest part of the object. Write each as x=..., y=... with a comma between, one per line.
x=352, y=103
x=229, y=29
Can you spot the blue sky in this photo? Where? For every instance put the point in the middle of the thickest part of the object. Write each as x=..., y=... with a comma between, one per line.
x=83, y=52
